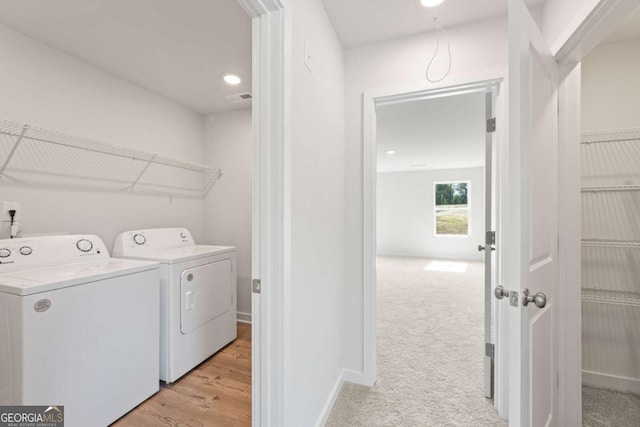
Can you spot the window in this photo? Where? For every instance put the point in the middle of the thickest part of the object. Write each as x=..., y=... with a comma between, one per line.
x=452, y=208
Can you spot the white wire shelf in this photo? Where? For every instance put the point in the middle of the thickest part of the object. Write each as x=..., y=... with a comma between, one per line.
x=605, y=296
x=610, y=188
x=611, y=135
x=598, y=243
x=29, y=154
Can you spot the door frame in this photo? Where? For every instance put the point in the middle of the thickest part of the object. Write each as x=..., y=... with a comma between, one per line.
x=605, y=16
x=271, y=163
x=456, y=84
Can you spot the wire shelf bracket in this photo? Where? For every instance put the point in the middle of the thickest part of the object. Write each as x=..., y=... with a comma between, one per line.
x=142, y=172
x=13, y=150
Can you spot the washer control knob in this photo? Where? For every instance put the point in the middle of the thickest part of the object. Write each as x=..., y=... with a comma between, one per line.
x=84, y=245
x=26, y=250
x=4, y=253
x=139, y=239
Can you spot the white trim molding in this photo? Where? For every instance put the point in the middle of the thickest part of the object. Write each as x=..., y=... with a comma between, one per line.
x=569, y=338
x=269, y=250
x=593, y=29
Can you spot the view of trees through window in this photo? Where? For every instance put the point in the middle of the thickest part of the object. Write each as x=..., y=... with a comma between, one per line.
x=452, y=208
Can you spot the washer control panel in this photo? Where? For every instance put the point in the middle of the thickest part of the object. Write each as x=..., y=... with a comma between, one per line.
x=137, y=241
x=31, y=252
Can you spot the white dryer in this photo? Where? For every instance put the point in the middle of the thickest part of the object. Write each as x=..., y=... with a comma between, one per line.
x=78, y=328
x=197, y=294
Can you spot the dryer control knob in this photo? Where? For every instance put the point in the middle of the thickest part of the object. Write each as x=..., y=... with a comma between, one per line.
x=183, y=234
x=139, y=239
x=84, y=245
x=26, y=250
x=4, y=253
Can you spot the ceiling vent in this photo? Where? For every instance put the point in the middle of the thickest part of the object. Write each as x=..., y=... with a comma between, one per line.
x=240, y=97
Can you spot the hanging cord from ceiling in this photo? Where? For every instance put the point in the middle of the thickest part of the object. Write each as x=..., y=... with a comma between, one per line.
x=439, y=31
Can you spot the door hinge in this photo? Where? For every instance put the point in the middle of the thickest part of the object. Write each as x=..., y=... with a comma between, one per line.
x=490, y=350
x=490, y=238
x=256, y=286
x=491, y=125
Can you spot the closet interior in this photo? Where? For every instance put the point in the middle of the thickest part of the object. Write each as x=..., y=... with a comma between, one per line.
x=610, y=158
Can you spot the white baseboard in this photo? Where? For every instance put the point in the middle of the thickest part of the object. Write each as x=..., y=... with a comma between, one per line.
x=328, y=407
x=611, y=382
x=244, y=317
x=355, y=377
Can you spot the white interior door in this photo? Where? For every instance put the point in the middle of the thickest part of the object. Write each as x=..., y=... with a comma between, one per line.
x=531, y=223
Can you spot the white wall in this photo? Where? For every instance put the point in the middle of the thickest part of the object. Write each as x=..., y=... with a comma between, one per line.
x=610, y=333
x=47, y=88
x=611, y=87
x=314, y=303
x=229, y=145
x=474, y=47
x=406, y=217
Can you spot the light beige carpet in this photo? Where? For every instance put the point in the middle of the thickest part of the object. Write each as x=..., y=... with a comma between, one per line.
x=607, y=408
x=430, y=351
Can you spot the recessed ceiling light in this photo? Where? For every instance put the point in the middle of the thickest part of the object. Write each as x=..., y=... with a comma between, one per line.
x=390, y=151
x=431, y=3
x=232, y=79
x=418, y=165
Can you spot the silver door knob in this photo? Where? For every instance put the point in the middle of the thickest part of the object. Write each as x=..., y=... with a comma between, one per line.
x=500, y=292
x=482, y=248
x=539, y=299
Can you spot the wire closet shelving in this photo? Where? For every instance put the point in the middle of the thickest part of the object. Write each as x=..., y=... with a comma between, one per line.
x=611, y=208
x=33, y=155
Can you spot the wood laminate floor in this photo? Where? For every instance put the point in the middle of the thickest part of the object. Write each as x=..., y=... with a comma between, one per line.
x=215, y=393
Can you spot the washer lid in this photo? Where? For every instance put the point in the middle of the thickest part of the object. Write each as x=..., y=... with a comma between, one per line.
x=181, y=254
x=27, y=282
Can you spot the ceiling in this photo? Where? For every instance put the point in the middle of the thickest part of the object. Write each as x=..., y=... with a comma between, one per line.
x=361, y=22
x=441, y=133
x=177, y=49
x=628, y=30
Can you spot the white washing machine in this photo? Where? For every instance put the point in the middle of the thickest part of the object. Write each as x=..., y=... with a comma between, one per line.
x=197, y=295
x=77, y=328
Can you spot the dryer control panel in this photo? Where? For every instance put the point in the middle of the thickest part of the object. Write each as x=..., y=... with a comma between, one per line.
x=137, y=241
x=33, y=252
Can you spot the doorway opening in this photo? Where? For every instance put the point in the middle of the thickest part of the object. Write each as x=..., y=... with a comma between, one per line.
x=158, y=134
x=430, y=219
x=610, y=240
x=429, y=208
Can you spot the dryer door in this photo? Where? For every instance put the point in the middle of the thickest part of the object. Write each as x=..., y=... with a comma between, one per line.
x=205, y=293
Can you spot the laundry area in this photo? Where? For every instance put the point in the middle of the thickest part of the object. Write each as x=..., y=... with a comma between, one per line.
x=126, y=196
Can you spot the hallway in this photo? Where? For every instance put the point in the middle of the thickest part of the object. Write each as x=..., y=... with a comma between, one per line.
x=430, y=347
